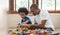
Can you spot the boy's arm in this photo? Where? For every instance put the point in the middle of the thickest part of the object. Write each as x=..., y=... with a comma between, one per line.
x=25, y=23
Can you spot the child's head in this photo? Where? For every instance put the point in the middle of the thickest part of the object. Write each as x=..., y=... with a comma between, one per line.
x=22, y=12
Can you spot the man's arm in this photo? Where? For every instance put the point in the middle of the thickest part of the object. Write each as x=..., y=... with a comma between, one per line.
x=43, y=22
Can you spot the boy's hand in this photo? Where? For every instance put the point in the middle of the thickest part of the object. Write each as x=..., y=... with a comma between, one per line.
x=24, y=22
x=26, y=25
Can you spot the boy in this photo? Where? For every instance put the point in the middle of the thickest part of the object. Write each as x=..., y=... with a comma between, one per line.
x=23, y=13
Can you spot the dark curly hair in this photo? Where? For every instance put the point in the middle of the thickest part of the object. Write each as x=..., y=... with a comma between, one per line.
x=23, y=10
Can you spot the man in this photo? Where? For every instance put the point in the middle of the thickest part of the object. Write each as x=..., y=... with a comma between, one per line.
x=42, y=18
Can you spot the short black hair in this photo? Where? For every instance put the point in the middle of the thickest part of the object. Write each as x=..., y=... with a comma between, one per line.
x=24, y=10
x=34, y=6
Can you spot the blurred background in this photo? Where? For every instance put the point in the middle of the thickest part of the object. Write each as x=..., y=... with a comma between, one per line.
x=9, y=16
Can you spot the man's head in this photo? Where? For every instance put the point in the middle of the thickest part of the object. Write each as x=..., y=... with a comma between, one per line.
x=23, y=12
x=34, y=9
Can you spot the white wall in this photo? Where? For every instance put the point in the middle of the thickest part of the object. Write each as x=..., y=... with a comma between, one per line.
x=56, y=20
x=3, y=16
x=14, y=18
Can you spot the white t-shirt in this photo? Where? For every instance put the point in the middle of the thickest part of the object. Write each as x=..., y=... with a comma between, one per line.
x=44, y=15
